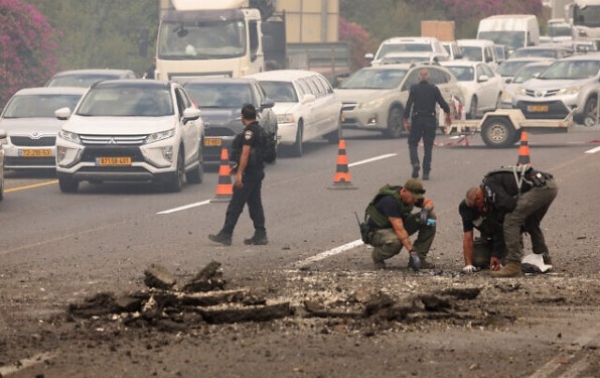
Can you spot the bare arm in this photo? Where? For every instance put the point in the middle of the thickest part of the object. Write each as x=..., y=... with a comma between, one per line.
x=245, y=156
x=401, y=233
x=468, y=247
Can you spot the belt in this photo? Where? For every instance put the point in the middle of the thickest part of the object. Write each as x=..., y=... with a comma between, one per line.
x=424, y=114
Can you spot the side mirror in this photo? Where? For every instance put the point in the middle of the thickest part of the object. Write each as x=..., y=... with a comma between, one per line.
x=508, y=81
x=308, y=98
x=483, y=78
x=369, y=56
x=191, y=114
x=267, y=104
x=63, y=114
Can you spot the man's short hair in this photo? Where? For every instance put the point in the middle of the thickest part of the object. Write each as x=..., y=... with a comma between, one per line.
x=249, y=112
x=471, y=196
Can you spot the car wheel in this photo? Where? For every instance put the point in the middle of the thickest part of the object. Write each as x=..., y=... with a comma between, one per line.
x=473, y=108
x=176, y=183
x=498, y=132
x=590, y=112
x=67, y=185
x=296, y=149
x=395, y=125
x=335, y=136
x=196, y=175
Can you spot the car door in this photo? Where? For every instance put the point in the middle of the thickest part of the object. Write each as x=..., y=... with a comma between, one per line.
x=324, y=119
x=191, y=131
x=311, y=122
x=330, y=107
x=493, y=87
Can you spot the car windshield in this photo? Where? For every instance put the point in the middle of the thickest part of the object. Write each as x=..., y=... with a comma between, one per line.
x=508, y=68
x=571, y=70
x=473, y=53
x=279, y=91
x=375, y=79
x=511, y=39
x=462, y=73
x=542, y=53
x=123, y=101
x=526, y=73
x=39, y=106
x=403, y=47
x=220, y=95
x=79, y=80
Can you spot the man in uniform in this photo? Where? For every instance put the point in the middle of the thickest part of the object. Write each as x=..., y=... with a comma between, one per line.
x=521, y=196
x=249, y=174
x=392, y=223
x=421, y=101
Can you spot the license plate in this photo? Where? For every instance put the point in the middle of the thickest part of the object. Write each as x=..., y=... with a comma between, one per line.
x=213, y=142
x=113, y=161
x=537, y=108
x=35, y=153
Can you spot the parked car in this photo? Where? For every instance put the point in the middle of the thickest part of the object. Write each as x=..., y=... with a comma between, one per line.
x=481, y=86
x=566, y=84
x=416, y=57
x=524, y=73
x=453, y=49
x=549, y=51
x=131, y=130
x=406, y=44
x=479, y=50
x=509, y=67
x=2, y=137
x=374, y=98
x=221, y=100
x=306, y=106
x=31, y=126
x=85, y=78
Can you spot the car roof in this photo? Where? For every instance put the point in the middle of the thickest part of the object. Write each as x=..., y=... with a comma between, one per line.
x=283, y=75
x=546, y=46
x=540, y=63
x=527, y=58
x=460, y=63
x=412, y=53
x=212, y=79
x=411, y=40
x=594, y=55
x=475, y=42
x=51, y=90
x=93, y=71
x=133, y=83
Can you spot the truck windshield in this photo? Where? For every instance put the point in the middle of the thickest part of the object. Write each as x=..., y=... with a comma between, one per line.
x=511, y=39
x=201, y=40
x=559, y=30
x=586, y=15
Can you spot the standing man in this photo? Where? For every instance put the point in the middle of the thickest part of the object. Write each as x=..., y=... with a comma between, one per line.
x=392, y=223
x=521, y=196
x=249, y=174
x=421, y=101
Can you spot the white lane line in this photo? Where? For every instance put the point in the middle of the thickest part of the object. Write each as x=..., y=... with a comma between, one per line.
x=186, y=207
x=577, y=368
x=372, y=160
x=5, y=371
x=593, y=150
x=331, y=252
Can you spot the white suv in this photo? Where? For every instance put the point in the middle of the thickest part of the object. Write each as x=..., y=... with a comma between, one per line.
x=131, y=130
x=408, y=45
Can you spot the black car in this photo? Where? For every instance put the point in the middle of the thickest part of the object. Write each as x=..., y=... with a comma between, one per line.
x=221, y=101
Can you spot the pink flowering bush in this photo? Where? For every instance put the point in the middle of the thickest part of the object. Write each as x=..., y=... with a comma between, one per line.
x=358, y=39
x=27, y=48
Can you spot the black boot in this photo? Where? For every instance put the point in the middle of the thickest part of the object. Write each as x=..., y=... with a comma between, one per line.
x=221, y=238
x=259, y=238
x=415, y=171
x=425, y=175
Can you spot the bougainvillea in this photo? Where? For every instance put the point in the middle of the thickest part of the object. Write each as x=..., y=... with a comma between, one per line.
x=358, y=39
x=27, y=48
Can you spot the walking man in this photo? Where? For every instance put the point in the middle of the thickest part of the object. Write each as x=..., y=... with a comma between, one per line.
x=249, y=174
x=421, y=101
x=521, y=195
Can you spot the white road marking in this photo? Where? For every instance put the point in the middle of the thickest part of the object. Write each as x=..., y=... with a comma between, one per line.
x=186, y=207
x=593, y=150
x=5, y=371
x=331, y=252
x=577, y=368
x=372, y=160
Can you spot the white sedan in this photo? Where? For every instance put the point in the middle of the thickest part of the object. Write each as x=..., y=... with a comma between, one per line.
x=482, y=87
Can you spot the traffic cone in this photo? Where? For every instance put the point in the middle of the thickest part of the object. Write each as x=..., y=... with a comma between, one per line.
x=224, y=186
x=524, y=150
x=341, y=179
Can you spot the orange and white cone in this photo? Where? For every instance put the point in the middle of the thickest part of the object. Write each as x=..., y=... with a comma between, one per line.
x=342, y=179
x=524, y=150
x=224, y=186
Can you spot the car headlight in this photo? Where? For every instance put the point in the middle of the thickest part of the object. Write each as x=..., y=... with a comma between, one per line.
x=570, y=90
x=371, y=104
x=160, y=136
x=520, y=91
x=71, y=137
x=506, y=97
x=286, y=118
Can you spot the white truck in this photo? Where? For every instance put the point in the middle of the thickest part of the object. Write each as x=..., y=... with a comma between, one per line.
x=510, y=30
x=586, y=20
x=211, y=38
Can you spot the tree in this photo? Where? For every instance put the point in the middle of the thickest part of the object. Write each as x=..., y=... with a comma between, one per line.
x=27, y=47
x=358, y=39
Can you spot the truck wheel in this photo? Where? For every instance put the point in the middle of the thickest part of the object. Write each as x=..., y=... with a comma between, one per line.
x=68, y=185
x=394, y=126
x=296, y=149
x=498, y=132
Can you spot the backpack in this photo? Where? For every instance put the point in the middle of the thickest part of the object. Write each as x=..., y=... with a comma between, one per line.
x=267, y=143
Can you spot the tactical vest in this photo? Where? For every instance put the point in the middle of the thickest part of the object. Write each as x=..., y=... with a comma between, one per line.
x=379, y=219
x=520, y=173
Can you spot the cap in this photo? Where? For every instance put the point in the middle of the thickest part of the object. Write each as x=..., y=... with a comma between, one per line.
x=415, y=186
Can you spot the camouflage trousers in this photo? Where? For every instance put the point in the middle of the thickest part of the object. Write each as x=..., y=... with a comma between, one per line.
x=386, y=243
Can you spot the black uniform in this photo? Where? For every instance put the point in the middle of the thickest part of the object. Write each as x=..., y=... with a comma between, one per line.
x=421, y=101
x=491, y=240
x=250, y=192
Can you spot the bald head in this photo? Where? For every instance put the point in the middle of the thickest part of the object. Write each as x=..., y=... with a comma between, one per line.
x=424, y=74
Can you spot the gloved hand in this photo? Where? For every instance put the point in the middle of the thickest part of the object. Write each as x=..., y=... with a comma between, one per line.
x=424, y=215
x=470, y=269
x=414, y=262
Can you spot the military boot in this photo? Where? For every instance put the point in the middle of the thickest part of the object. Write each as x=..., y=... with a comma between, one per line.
x=259, y=238
x=221, y=238
x=415, y=171
x=512, y=269
x=425, y=175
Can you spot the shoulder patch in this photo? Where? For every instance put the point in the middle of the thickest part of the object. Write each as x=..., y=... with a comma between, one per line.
x=248, y=134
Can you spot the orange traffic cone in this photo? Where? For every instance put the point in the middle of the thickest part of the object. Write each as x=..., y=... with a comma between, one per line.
x=341, y=179
x=524, y=150
x=224, y=186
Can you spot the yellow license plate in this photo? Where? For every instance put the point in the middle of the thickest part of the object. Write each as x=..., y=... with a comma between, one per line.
x=537, y=108
x=213, y=142
x=113, y=161
x=36, y=153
